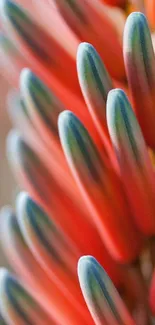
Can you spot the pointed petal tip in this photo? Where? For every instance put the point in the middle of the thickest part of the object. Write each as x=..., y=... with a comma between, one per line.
x=16, y=148
x=13, y=139
x=94, y=81
x=38, y=96
x=25, y=75
x=84, y=260
x=69, y=127
x=26, y=207
x=65, y=115
x=87, y=57
x=3, y=5
x=64, y=119
x=114, y=96
x=87, y=264
x=118, y=110
x=83, y=48
x=135, y=16
x=21, y=200
x=84, y=264
x=134, y=19
x=90, y=270
x=4, y=277
x=86, y=54
x=7, y=8
x=116, y=92
x=27, y=80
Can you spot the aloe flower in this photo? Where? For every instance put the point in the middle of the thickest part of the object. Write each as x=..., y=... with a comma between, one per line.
x=80, y=238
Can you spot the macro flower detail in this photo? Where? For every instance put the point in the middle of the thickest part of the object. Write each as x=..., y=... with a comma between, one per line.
x=102, y=298
x=79, y=236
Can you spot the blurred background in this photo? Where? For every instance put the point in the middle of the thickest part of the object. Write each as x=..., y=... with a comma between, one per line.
x=7, y=184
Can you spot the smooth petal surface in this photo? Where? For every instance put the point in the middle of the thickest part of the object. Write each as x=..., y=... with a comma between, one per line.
x=86, y=18
x=35, y=178
x=16, y=304
x=103, y=301
x=43, y=108
x=95, y=84
x=100, y=188
x=35, y=43
x=12, y=61
x=54, y=251
x=140, y=68
x=41, y=286
x=42, y=105
x=135, y=166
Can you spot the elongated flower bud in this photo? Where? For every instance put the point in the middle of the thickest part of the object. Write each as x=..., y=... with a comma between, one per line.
x=103, y=301
x=100, y=188
x=140, y=67
x=55, y=252
x=42, y=105
x=95, y=84
x=135, y=166
x=43, y=108
x=16, y=305
x=12, y=61
x=42, y=288
x=32, y=174
x=35, y=44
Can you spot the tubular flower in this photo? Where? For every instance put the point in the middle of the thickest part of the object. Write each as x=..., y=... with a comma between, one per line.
x=80, y=238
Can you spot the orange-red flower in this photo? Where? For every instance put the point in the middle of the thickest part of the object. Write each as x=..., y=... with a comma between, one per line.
x=82, y=108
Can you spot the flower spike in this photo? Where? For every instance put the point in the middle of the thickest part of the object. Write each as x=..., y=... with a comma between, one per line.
x=89, y=174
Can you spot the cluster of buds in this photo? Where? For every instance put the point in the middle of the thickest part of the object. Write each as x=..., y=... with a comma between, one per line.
x=80, y=238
